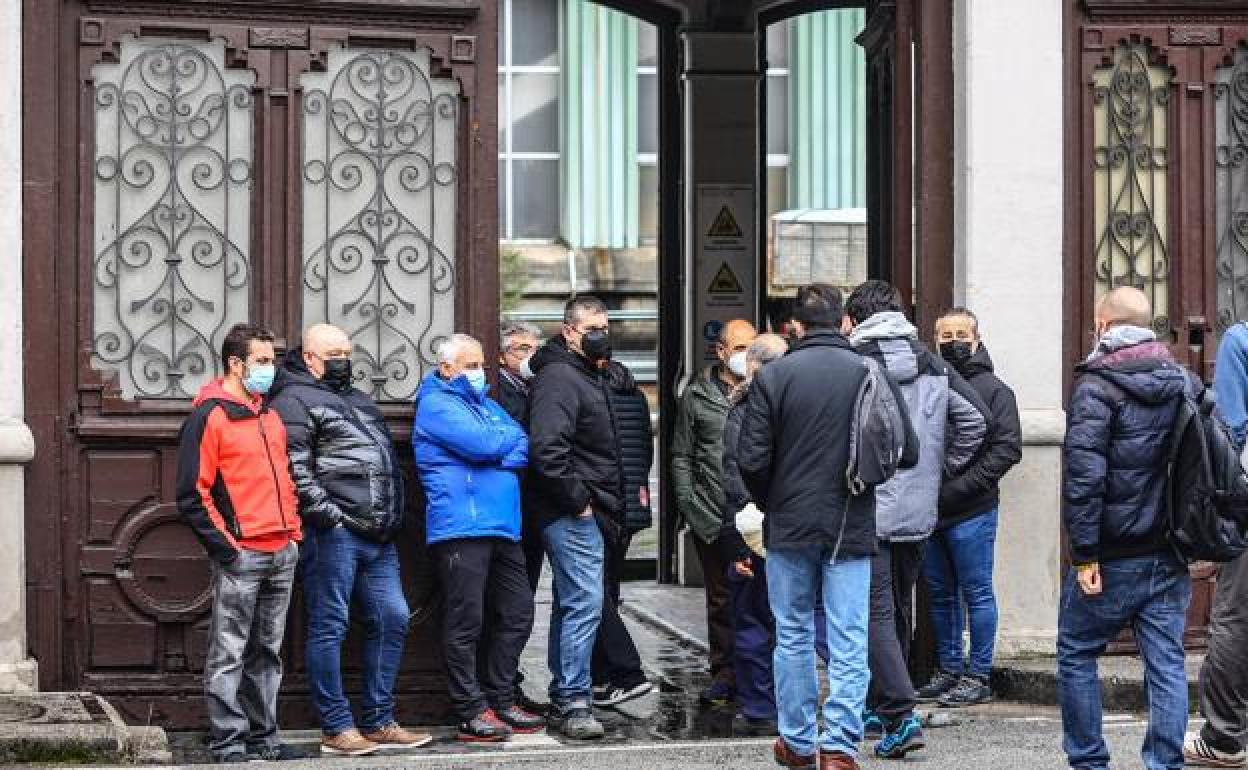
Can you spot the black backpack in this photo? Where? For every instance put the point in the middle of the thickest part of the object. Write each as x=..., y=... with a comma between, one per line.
x=877, y=434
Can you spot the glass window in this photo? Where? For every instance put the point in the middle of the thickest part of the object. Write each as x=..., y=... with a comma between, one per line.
x=777, y=190
x=777, y=115
x=649, y=203
x=535, y=33
x=648, y=45
x=778, y=45
x=535, y=203
x=535, y=113
x=647, y=113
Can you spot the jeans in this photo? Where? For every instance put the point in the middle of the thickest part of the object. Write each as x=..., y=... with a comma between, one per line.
x=1224, y=676
x=483, y=576
x=794, y=577
x=243, y=669
x=1150, y=594
x=615, y=660
x=340, y=567
x=894, y=573
x=575, y=549
x=958, y=568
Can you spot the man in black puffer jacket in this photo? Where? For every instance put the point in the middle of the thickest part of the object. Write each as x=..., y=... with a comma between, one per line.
x=1124, y=573
x=351, y=498
x=590, y=449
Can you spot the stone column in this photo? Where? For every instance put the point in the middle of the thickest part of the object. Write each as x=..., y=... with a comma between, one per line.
x=1009, y=171
x=17, y=670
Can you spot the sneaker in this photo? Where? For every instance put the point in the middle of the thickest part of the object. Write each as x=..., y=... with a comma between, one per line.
x=577, y=723
x=787, y=757
x=394, y=737
x=720, y=693
x=905, y=738
x=970, y=691
x=753, y=727
x=872, y=726
x=1198, y=752
x=617, y=695
x=836, y=760
x=520, y=720
x=279, y=753
x=939, y=686
x=485, y=727
x=348, y=743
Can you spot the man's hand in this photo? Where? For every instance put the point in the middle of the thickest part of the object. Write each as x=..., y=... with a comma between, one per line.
x=587, y=513
x=1089, y=577
x=744, y=568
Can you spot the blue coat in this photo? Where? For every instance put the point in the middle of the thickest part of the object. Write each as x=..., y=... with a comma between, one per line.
x=468, y=451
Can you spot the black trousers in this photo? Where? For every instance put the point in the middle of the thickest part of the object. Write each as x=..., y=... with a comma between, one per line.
x=719, y=624
x=615, y=660
x=483, y=577
x=895, y=570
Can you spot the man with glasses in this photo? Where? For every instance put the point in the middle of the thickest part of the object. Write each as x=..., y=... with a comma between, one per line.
x=352, y=501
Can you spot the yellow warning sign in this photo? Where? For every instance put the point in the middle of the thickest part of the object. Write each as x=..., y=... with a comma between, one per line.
x=725, y=281
x=725, y=226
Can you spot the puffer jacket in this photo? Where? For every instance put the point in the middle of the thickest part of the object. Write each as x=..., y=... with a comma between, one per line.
x=697, y=454
x=1114, y=458
x=341, y=454
x=589, y=440
x=948, y=416
x=469, y=453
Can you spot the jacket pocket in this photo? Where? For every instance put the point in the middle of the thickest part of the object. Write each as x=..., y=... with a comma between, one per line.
x=350, y=490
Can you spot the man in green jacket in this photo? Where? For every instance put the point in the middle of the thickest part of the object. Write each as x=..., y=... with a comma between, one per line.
x=697, y=476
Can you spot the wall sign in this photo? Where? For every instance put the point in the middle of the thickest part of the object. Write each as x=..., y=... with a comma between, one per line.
x=725, y=260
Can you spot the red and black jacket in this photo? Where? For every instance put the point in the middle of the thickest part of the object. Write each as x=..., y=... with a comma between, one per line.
x=234, y=487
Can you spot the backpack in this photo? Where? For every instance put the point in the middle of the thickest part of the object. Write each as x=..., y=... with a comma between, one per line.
x=877, y=432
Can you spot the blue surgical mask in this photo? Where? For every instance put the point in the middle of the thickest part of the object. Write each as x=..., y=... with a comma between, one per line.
x=259, y=378
x=476, y=378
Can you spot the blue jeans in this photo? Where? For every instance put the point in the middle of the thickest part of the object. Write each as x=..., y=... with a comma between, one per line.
x=1149, y=594
x=339, y=566
x=575, y=549
x=958, y=568
x=794, y=577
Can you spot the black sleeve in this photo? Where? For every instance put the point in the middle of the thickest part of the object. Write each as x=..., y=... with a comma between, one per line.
x=196, y=475
x=755, y=447
x=1001, y=452
x=553, y=408
x=316, y=507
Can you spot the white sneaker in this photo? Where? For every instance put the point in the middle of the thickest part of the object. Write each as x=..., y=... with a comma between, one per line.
x=1198, y=753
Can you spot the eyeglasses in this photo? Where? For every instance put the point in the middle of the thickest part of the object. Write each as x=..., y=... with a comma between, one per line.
x=521, y=350
x=592, y=329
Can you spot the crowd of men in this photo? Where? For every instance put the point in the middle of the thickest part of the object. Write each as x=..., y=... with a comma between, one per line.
x=286, y=469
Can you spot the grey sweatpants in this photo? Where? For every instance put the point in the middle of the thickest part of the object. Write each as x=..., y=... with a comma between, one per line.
x=243, y=670
x=1224, y=676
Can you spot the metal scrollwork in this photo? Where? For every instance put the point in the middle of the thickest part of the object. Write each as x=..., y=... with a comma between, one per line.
x=172, y=184
x=380, y=185
x=1130, y=161
x=1231, y=182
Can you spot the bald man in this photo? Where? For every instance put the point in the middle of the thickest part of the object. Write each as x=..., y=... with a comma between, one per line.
x=1124, y=573
x=697, y=477
x=352, y=501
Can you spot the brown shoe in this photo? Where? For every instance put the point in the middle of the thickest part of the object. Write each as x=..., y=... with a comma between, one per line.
x=789, y=758
x=394, y=737
x=835, y=760
x=347, y=744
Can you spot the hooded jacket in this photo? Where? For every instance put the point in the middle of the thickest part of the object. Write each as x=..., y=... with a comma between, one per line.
x=1114, y=458
x=590, y=441
x=341, y=454
x=233, y=480
x=469, y=453
x=794, y=448
x=976, y=489
x=697, y=454
x=947, y=414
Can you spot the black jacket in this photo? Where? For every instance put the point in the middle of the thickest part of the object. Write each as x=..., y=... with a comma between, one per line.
x=1114, y=458
x=976, y=489
x=341, y=454
x=730, y=543
x=513, y=397
x=589, y=439
x=794, y=448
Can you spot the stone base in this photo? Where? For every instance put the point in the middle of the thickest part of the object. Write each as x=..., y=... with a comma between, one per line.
x=68, y=727
x=1026, y=644
x=20, y=677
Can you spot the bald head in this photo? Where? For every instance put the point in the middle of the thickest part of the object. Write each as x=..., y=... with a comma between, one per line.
x=1124, y=306
x=321, y=343
x=734, y=338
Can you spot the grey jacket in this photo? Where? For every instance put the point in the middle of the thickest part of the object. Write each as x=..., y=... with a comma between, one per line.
x=949, y=417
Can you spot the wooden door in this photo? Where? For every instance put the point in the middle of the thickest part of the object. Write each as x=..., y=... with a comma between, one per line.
x=280, y=162
x=1158, y=180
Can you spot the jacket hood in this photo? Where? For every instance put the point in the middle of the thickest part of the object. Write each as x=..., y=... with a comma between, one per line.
x=899, y=355
x=883, y=326
x=556, y=350
x=979, y=363
x=1146, y=372
x=215, y=391
x=433, y=383
x=293, y=371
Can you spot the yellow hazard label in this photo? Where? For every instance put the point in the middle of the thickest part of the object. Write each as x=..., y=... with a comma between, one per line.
x=725, y=225
x=725, y=281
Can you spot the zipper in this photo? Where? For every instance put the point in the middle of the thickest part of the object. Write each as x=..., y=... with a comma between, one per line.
x=268, y=455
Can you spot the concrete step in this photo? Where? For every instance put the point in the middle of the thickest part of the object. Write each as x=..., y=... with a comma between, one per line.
x=73, y=727
x=1034, y=680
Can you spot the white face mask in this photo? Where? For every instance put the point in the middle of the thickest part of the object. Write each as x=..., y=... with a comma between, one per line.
x=736, y=364
x=526, y=373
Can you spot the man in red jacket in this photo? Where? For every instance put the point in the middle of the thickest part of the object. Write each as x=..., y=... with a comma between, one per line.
x=235, y=491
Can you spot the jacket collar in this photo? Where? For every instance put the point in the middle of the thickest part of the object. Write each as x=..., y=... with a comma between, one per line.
x=822, y=338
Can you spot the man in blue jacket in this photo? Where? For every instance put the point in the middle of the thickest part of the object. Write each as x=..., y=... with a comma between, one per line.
x=469, y=453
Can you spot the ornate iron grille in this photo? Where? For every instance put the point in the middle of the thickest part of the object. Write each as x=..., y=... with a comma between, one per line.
x=1231, y=181
x=1130, y=166
x=172, y=184
x=380, y=184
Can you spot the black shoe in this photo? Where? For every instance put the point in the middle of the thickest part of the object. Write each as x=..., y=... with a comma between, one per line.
x=520, y=720
x=485, y=727
x=940, y=685
x=753, y=727
x=903, y=738
x=720, y=693
x=279, y=753
x=613, y=696
x=970, y=691
x=577, y=723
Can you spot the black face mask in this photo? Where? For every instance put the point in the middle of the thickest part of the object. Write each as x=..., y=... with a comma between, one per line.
x=596, y=346
x=337, y=373
x=957, y=352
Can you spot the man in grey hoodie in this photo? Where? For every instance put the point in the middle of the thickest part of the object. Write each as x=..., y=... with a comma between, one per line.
x=951, y=421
